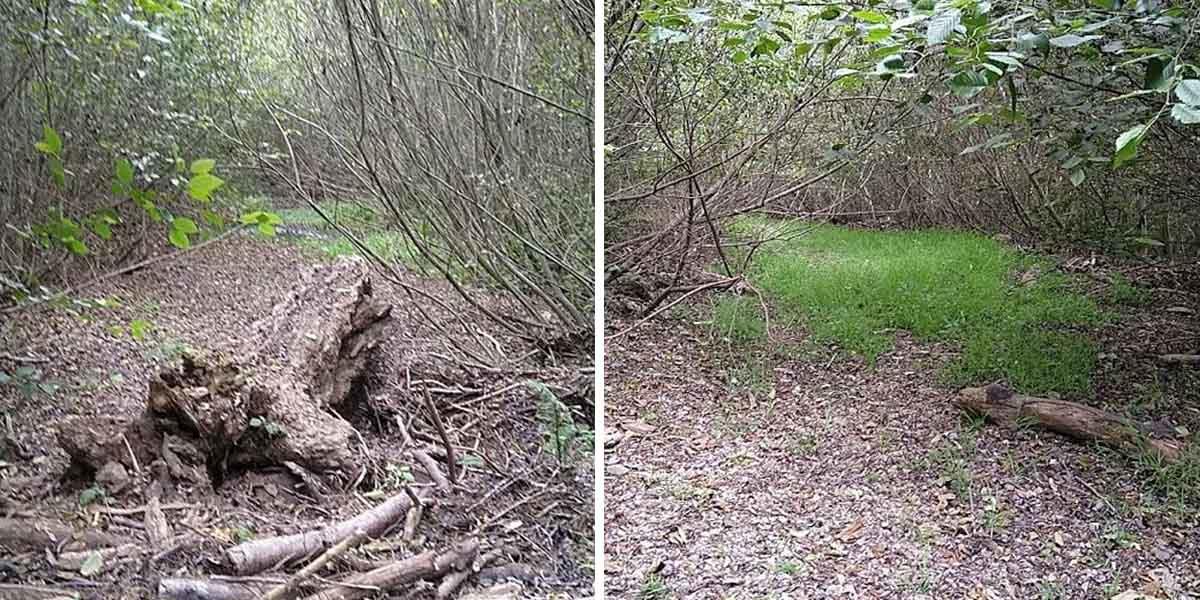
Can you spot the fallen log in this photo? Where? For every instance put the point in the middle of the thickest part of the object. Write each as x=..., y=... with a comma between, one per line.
x=1001, y=405
x=426, y=565
x=266, y=399
x=256, y=556
x=1180, y=359
x=23, y=535
x=174, y=588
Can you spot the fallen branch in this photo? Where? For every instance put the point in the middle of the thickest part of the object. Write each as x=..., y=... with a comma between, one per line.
x=426, y=565
x=201, y=589
x=1180, y=359
x=23, y=535
x=257, y=556
x=721, y=284
x=1072, y=419
x=288, y=588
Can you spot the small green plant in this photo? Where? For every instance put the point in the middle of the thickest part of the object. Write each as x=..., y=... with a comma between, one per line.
x=1050, y=590
x=654, y=587
x=1176, y=481
x=754, y=375
x=563, y=437
x=91, y=496
x=1122, y=291
x=1118, y=537
x=267, y=426
x=953, y=458
x=242, y=534
x=789, y=568
x=28, y=381
x=738, y=319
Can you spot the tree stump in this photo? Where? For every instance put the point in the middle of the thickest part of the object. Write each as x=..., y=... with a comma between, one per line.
x=268, y=400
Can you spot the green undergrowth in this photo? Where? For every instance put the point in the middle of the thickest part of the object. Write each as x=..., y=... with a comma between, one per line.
x=360, y=220
x=1013, y=318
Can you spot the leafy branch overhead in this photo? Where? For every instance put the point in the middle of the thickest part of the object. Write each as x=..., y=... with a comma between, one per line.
x=1119, y=69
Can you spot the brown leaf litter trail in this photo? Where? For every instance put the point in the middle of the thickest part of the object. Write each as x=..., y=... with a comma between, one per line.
x=211, y=299
x=831, y=479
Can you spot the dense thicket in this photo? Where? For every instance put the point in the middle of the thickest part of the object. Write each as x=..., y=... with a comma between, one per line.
x=134, y=123
x=1064, y=120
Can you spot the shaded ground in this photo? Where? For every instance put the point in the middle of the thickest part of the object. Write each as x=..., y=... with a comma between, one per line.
x=794, y=472
x=207, y=299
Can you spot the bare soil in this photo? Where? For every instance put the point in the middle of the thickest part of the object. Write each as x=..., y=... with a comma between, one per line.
x=519, y=497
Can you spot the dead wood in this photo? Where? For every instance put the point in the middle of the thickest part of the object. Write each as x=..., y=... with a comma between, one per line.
x=264, y=401
x=1071, y=419
x=257, y=556
x=158, y=530
x=289, y=588
x=201, y=589
x=1180, y=359
x=23, y=535
x=14, y=591
x=426, y=565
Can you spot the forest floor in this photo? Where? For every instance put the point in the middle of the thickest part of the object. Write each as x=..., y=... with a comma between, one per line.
x=786, y=468
x=524, y=500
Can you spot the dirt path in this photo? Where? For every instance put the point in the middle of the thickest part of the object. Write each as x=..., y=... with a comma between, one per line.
x=835, y=480
x=208, y=299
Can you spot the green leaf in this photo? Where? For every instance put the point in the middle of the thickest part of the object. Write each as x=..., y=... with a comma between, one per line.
x=92, y=564
x=1127, y=145
x=179, y=239
x=266, y=229
x=968, y=83
x=58, y=173
x=203, y=185
x=942, y=26
x=869, y=16
x=1071, y=40
x=51, y=143
x=1188, y=115
x=739, y=57
x=138, y=329
x=213, y=219
x=90, y=495
x=1158, y=75
x=125, y=171
x=75, y=246
x=1077, y=177
x=1188, y=91
x=1033, y=41
x=100, y=228
x=185, y=225
x=203, y=166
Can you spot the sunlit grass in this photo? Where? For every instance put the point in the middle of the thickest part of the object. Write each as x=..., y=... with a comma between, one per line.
x=857, y=287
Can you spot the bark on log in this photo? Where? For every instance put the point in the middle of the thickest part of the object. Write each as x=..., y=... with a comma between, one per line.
x=1180, y=359
x=422, y=566
x=1071, y=419
x=205, y=589
x=23, y=535
x=256, y=556
x=265, y=399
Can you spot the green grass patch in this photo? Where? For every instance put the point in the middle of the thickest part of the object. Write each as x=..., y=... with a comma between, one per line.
x=1122, y=291
x=738, y=319
x=352, y=215
x=1012, y=318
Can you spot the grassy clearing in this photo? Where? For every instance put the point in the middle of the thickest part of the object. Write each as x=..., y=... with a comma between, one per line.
x=361, y=220
x=1012, y=318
